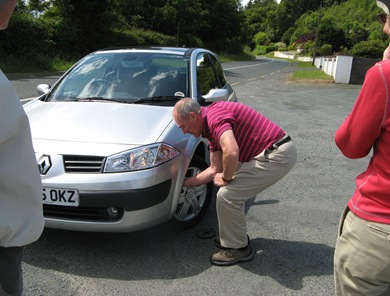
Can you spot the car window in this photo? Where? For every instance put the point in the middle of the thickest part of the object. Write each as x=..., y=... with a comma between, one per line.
x=206, y=77
x=169, y=77
x=88, y=70
x=124, y=76
x=219, y=70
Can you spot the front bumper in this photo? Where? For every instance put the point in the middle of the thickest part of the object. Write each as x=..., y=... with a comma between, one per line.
x=130, y=200
x=99, y=205
x=142, y=198
x=137, y=209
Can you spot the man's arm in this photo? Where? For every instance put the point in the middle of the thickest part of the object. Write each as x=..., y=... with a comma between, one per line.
x=363, y=126
x=230, y=153
x=208, y=174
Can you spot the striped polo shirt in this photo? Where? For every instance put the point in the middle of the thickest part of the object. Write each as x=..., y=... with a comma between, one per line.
x=253, y=131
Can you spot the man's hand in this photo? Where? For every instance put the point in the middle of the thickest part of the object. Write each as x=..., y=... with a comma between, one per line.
x=218, y=180
x=203, y=177
x=191, y=182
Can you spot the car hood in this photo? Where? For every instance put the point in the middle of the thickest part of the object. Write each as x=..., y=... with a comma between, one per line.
x=97, y=122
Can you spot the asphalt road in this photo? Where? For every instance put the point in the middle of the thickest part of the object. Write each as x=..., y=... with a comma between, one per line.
x=293, y=225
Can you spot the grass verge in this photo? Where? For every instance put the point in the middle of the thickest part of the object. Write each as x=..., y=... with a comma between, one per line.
x=306, y=71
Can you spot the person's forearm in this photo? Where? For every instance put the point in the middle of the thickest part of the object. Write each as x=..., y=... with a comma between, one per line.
x=202, y=178
x=229, y=163
x=363, y=126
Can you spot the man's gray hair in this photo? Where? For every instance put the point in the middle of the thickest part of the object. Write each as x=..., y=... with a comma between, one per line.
x=186, y=106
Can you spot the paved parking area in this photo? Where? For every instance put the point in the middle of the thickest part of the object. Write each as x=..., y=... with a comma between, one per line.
x=293, y=225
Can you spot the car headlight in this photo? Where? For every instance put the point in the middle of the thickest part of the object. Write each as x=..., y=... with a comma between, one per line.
x=144, y=157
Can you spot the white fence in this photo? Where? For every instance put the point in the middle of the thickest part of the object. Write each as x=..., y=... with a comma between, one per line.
x=292, y=55
x=338, y=67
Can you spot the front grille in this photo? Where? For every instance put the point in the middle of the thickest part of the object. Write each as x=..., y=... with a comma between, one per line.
x=83, y=164
x=80, y=213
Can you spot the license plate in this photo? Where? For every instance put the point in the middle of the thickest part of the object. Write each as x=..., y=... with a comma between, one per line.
x=61, y=197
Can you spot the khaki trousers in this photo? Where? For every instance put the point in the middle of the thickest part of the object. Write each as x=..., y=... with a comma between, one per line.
x=362, y=257
x=250, y=179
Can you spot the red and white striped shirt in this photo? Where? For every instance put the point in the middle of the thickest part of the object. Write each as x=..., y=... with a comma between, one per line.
x=253, y=131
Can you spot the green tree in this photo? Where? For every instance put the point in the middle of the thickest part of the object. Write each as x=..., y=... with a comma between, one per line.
x=70, y=28
x=24, y=35
x=329, y=33
x=35, y=7
x=220, y=25
x=356, y=32
x=261, y=38
x=89, y=22
x=289, y=11
x=260, y=17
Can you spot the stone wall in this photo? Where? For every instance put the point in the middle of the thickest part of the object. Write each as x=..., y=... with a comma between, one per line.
x=359, y=69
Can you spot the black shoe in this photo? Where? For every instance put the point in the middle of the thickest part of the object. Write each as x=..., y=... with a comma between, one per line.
x=217, y=242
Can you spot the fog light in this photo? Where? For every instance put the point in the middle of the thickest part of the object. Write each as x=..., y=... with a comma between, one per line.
x=112, y=212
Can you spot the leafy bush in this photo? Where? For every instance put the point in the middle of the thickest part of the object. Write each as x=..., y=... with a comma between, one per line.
x=326, y=50
x=260, y=49
x=147, y=37
x=228, y=45
x=368, y=49
x=271, y=47
x=22, y=37
x=308, y=48
x=17, y=64
x=261, y=38
x=281, y=46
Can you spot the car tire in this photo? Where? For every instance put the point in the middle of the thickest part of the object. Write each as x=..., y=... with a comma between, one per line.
x=193, y=201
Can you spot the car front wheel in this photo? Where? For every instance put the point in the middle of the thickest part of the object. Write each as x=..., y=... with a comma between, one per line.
x=193, y=201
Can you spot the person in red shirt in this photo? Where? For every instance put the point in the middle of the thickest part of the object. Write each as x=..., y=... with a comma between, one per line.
x=362, y=253
x=248, y=153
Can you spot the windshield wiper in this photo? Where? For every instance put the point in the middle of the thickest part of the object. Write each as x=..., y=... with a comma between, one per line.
x=158, y=99
x=96, y=99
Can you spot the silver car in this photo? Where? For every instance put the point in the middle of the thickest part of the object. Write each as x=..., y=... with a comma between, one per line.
x=111, y=157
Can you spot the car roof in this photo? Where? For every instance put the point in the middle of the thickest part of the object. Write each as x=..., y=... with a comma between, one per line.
x=156, y=49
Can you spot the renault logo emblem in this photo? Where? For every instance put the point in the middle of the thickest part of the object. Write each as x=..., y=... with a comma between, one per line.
x=44, y=164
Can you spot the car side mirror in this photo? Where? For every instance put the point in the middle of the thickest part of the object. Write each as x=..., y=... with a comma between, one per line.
x=43, y=89
x=218, y=94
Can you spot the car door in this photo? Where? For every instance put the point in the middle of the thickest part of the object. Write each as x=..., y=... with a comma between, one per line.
x=211, y=82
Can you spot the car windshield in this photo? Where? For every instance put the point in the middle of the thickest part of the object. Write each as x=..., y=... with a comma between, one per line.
x=124, y=77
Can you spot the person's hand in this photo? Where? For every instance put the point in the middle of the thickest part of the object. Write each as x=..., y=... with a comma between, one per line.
x=186, y=182
x=218, y=181
x=386, y=53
